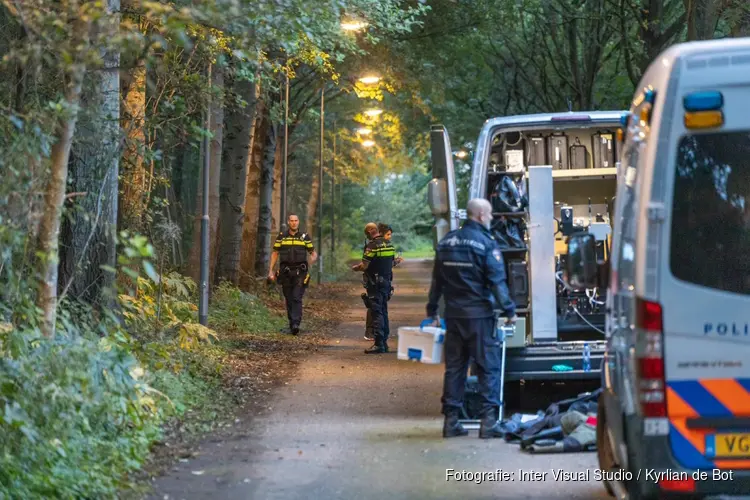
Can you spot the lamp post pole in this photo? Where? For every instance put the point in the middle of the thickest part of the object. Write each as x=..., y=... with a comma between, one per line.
x=320, y=184
x=333, y=201
x=286, y=155
x=203, y=303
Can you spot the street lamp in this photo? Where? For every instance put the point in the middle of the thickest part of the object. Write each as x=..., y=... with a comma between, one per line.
x=352, y=25
x=373, y=112
x=368, y=143
x=461, y=154
x=364, y=131
x=370, y=80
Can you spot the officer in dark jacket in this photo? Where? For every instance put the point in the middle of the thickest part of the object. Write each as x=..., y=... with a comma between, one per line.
x=469, y=273
x=371, y=230
x=377, y=264
x=291, y=249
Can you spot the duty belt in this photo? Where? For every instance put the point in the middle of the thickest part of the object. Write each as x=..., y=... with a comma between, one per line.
x=377, y=279
x=288, y=268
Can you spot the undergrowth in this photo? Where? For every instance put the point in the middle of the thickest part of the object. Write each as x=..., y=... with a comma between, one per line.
x=80, y=412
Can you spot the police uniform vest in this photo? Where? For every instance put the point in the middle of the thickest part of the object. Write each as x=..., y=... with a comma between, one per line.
x=293, y=248
x=379, y=255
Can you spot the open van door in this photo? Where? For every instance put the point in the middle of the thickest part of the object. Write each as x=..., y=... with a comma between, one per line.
x=441, y=192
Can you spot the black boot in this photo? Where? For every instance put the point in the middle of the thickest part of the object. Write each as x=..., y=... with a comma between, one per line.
x=385, y=345
x=491, y=427
x=295, y=330
x=377, y=348
x=452, y=427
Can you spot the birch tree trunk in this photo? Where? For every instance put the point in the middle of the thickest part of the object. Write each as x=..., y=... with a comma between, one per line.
x=265, y=214
x=214, y=186
x=54, y=193
x=234, y=180
x=89, y=236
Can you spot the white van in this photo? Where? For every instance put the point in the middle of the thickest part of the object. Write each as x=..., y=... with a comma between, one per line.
x=674, y=416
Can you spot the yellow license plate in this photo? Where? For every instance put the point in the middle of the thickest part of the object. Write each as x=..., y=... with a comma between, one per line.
x=728, y=446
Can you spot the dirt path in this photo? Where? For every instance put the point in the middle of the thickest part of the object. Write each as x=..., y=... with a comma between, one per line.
x=356, y=426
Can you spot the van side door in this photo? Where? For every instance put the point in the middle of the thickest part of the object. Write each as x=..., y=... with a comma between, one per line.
x=621, y=338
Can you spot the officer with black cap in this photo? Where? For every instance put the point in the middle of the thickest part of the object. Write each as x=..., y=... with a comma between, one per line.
x=469, y=273
x=377, y=264
x=291, y=249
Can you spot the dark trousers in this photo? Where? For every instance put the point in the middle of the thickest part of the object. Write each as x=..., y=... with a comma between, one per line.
x=293, y=293
x=386, y=326
x=377, y=293
x=471, y=339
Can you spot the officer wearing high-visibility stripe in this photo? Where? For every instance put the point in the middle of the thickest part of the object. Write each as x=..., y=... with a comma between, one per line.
x=371, y=230
x=469, y=273
x=291, y=249
x=377, y=264
x=386, y=232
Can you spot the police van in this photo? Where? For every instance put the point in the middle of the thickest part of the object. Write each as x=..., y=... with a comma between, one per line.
x=547, y=175
x=674, y=416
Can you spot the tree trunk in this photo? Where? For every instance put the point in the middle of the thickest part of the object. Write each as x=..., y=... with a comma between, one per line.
x=252, y=198
x=135, y=177
x=265, y=213
x=89, y=235
x=234, y=180
x=214, y=185
x=702, y=17
x=277, y=166
x=54, y=192
x=312, y=207
x=216, y=112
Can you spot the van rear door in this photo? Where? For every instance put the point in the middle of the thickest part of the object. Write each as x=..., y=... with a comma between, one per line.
x=705, y=279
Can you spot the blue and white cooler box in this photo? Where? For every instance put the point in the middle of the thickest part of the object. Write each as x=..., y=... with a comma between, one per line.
x=421, y=343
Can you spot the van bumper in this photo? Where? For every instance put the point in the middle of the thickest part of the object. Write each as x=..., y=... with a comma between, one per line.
x=538, y=361
x=717, y=483
x=654, y=461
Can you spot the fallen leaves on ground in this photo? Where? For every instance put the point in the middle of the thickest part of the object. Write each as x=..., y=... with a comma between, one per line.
x=253, y=366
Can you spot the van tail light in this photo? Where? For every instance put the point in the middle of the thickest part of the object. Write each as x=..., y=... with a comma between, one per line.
x=678, y=485
x=650, y=359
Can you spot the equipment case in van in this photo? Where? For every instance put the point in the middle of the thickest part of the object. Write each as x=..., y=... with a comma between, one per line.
x=603, y=149
x=557, y=146
x=537, y=154
x=579, y=155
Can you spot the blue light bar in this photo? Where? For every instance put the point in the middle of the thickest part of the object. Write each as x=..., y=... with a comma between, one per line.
x=649, y=96
x=572, y=118
x=710, y=100
x=624, y=119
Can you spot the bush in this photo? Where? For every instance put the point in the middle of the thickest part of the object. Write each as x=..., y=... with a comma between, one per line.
x=233, y=310
x=76, y=416
x=79, y=412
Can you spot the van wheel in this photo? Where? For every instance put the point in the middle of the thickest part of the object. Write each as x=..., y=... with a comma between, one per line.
x=603, y=445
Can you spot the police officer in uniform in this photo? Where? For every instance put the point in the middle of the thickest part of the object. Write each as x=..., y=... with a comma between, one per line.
x=469, y=273
x=377, y=264
x=386, y=232
x=291, y=249
x=371, y=230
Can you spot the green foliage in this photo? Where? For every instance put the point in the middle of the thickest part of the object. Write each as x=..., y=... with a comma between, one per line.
x=233, y=310
x=399, y=200
x=76, y=416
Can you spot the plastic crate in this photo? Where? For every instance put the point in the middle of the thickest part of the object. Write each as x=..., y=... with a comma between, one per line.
x=423, y=344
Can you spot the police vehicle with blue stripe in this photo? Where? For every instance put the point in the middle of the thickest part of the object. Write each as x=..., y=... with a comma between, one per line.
x=674, y=415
